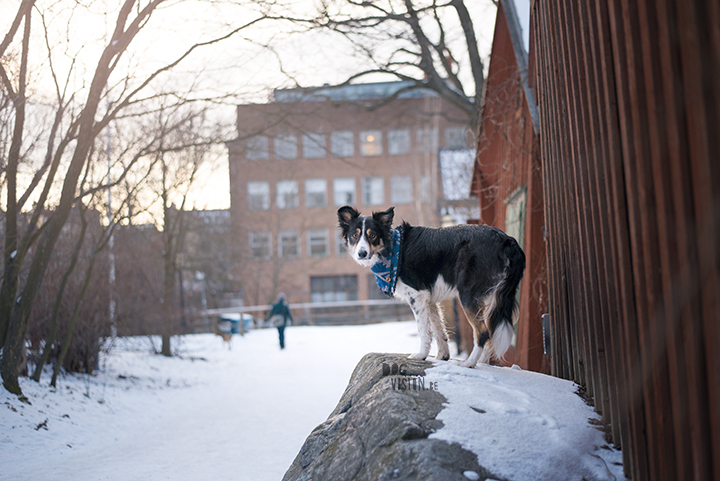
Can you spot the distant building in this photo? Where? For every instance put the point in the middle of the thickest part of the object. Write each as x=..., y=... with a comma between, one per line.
x=309, y=151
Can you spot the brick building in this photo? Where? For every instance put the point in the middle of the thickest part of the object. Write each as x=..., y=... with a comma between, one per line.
x=307, y=152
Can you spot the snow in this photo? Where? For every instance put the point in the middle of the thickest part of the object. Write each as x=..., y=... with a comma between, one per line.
x=243, y=413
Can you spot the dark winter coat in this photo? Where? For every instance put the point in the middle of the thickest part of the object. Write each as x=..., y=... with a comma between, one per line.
x=281, y=308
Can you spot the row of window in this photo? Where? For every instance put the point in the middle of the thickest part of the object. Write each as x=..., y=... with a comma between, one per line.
x=287, y=192
x=288, y=244
x=342, y=143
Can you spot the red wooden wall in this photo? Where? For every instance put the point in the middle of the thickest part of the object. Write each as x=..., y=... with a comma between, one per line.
x=629, y=101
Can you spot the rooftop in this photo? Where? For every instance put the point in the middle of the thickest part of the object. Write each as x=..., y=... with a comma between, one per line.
x=367, y=91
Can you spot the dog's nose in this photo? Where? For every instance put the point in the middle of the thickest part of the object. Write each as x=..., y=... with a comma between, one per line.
x=362, y=254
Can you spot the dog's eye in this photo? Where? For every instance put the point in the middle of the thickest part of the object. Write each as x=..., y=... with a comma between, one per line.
x=356, y=235
x=372, y=236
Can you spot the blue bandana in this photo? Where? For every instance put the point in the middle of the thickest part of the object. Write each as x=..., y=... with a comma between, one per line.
x=386, y=268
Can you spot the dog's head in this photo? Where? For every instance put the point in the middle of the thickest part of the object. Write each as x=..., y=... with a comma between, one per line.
x=366, y=238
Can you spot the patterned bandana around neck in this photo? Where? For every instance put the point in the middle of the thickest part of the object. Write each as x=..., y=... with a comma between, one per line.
x=386, y=268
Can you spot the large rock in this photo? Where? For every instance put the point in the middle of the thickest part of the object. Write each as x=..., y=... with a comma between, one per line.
x=379, y=430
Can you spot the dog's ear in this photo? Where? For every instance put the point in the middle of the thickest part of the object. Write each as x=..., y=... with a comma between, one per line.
x=346, y=214
x=385, y=217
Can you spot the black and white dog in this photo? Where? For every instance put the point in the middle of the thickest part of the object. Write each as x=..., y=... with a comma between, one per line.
x=422, y=266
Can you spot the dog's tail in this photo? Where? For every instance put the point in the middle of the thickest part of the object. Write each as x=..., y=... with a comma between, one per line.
x=503, y=304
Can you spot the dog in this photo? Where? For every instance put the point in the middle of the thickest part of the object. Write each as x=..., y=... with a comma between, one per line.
x=422, y=266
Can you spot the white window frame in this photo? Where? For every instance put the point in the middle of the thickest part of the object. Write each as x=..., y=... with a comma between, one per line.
x=287, y=234
x=317, y=243
x=261, y=190
x=399, y=141
x=373, y=191
x=342, y=143
x=287, y=194
x=312, y=188
x=257, y=148
x=346, y=196
x=286, y=146
x=260, y=240
x=371, y=143
x=313, y=146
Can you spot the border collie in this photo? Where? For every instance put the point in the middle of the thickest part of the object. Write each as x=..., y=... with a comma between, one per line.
x=422, y=266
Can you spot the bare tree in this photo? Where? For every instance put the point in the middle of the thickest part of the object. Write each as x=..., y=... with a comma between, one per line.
x=77, y=122
x=428, y=43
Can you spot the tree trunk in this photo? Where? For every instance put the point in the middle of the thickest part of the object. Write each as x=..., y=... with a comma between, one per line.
x=168, y=307
x=17, y=325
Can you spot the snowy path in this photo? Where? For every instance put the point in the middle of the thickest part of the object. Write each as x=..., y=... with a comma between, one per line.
x=241, y=414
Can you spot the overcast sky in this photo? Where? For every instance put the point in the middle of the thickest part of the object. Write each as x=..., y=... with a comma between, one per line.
x=241, y=65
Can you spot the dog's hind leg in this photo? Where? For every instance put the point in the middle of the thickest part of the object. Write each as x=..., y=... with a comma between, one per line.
x=437, y=324
x=480, y=338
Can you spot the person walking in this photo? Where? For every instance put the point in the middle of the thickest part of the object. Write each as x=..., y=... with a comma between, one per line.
x=280, y=316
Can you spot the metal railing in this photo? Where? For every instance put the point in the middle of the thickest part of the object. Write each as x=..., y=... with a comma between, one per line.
x=336, y=312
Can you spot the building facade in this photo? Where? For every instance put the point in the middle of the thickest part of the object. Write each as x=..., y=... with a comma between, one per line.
x=306, y=153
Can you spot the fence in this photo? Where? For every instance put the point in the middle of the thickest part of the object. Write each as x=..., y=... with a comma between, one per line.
x=629, y=103
x=327, y=313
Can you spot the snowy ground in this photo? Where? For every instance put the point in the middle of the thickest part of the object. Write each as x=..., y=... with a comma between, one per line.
x=243, y=414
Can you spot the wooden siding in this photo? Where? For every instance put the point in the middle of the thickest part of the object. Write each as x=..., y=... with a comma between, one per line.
x=629, y=102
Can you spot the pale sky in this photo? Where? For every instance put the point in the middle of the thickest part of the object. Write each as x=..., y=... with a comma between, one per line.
x=240, y=65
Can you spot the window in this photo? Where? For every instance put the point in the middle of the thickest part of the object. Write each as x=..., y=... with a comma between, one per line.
x=313, y=146
x=318, y=242
x=258, y=195
x=427, y=140
x=401, y=189
x=287, y=194
x=260, y=245
x=371, y=143
x=373, y=191
x=333, y=288
x=515, y=214
x=289, y=244
x=286, y=146
x=344, y=191
x=257, y=148
x=315, y=193
x=455, y=138
x=399, y=142
x=342, y=144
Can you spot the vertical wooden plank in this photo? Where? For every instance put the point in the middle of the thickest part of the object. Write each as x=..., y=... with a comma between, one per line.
x=567, y=348
x=613, y=379
x=574, y=221
x=699, y=43
x=621, y=25
x=634, y=446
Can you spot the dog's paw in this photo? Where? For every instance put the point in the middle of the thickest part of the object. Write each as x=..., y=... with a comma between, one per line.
x=418, y=357
x=467, y=363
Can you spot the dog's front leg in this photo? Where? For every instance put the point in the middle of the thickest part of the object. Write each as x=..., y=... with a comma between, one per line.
x=424, y=326
x=419, y=302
